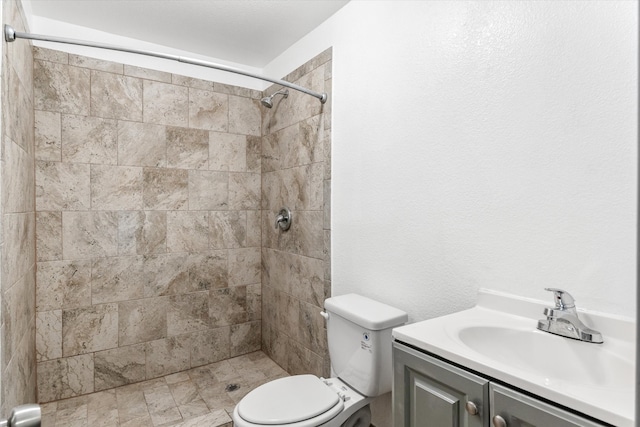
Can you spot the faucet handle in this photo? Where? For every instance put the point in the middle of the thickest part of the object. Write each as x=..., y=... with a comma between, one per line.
x=562, y=298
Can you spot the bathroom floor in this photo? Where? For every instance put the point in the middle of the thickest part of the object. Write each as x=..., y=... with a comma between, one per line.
x=200, y=397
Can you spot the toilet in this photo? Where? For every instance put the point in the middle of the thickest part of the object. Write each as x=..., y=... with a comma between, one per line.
x=359, y=338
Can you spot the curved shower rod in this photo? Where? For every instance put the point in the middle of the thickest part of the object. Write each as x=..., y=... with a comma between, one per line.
x=10, y=35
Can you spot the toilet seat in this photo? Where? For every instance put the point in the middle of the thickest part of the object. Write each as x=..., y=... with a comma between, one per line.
x=297, y=401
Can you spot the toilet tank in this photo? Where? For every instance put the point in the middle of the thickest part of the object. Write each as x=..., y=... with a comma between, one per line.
x=359, y=337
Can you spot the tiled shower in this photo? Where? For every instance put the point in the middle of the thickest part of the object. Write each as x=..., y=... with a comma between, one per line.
x=137, y=223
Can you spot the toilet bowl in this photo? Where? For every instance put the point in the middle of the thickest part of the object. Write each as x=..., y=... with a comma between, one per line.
x=359, y=338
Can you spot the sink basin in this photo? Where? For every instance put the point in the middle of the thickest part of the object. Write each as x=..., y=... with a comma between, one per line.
x=499, y=339
x=553, y=357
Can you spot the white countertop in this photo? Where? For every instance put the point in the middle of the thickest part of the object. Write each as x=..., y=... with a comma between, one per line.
x=595, y=379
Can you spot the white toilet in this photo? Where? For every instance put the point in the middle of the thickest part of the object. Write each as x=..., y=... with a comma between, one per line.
x=359, y=337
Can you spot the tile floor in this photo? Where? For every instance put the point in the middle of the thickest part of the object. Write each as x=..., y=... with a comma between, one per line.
x=200, y=397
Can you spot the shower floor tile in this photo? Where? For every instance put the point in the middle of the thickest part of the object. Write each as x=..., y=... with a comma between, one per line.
x=200, y=397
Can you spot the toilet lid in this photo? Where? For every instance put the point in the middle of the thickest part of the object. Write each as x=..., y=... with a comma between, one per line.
x=288, y=400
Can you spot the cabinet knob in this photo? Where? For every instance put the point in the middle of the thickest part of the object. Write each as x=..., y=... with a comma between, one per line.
x=471, y=408
x=498, y=421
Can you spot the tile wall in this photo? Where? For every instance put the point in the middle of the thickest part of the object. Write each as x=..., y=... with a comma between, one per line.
x=17, y=218
x=148, y=221
x=296, y=173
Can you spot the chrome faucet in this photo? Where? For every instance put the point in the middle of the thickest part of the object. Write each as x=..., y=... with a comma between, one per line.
x=563, y=319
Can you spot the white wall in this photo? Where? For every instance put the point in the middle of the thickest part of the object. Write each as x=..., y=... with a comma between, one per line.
x=480, y=144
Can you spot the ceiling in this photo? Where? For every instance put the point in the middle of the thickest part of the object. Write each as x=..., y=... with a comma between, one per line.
x=249, y=32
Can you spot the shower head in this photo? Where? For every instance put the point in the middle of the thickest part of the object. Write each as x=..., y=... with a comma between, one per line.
x=267, y=101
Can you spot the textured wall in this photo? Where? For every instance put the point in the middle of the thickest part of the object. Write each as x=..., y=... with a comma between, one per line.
x=482, y=144
x=296, y=173
x=18, y=263
x=148, y=223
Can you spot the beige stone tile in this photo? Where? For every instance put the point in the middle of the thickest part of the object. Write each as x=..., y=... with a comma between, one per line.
x=142, y=320
x=48, y=236
x=142, y=144
x=245, y=338
x=244, y=116
x=18, y=312
x=63, y=284
x=165, y=189
x=317, y=189
x=223, y=371
x=119, y=366
x=228, y=306
x=89, y=140
x=193, y=409
x=216, y=398
x=117, y=279
x=142, y=232
x=18, y=254
x=138, y=422
x=18, y=115
x=187, y=148
x=312, y=328
x=167, y=356
x=48, y=335
x=116, y=187
x=66, y=377
x=187, y=231
x=115, y=96
x=132, y=407
x=95, y=64
x=254, y=301
x=193, y=82
x=236, y=90
x=130, y=225
x=154, y=233
x=62, y=186
x=227, y=152
x=50, y=55
x=89, y=234
x=254, y=154
x=72, y=413
x=188, y=313
x=17, y=179
x=300, y=276
x=228, y=229
x=48, y=136
x=296, y=145
x=208, y=110
x=208, y=190
x=287, y=315
x=89, y=329
x=146, y=73
x=61, y=88
x=244, y=191
x=210, y=346
x=254, y=228
x=165, y=104
x=102, y=409
x=326, y=204
x=177, y=378
x=244, y=266
x=184, y=392
x=177, y=273
x=166, y=416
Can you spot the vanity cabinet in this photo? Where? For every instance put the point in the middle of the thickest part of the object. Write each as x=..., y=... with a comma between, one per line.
x=430, y=392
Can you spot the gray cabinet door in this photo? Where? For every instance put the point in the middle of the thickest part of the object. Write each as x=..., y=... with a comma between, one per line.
x=430, y=393
x=520, y=410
